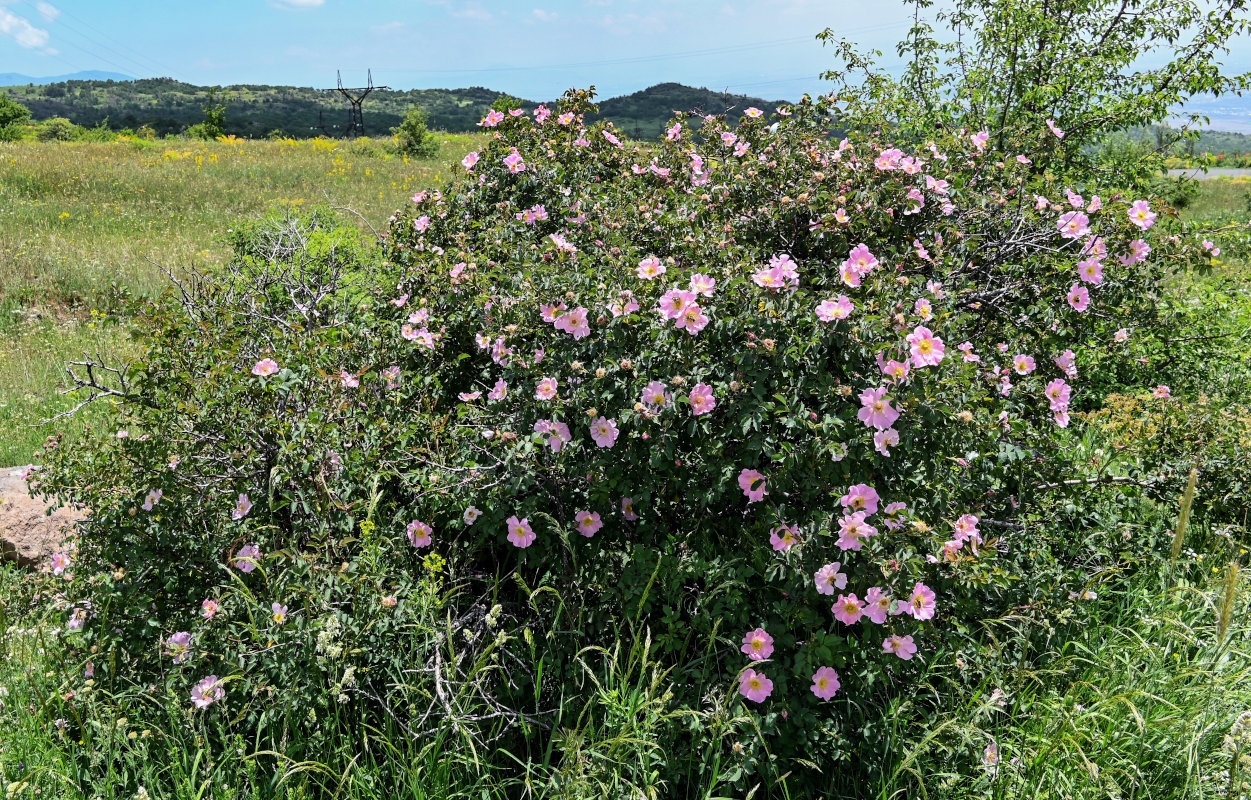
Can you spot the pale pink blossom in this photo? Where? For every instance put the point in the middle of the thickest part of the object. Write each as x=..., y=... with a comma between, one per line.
x=902, y=646
x=831, y=310
x=627, y=509
x=471, y=515
x=757, y=645
x=927, y=349
x=920, y=602
x=265, y=367
x=208, y=691
x=154, y=497
x=1161, y=392
x=209, y=608
x=701, y=399
x=877, y=604
x=419, y=534
x=588, y=523
x=520, y=533
x=279, y=612
x=1090, y=270
x=1078, y=297
x=825, y=683
x=828, y=578
x=876, y=410
x=693, y=319
x=546, y=389
x=1141, y=215
x=1059, y=393
x=1059, y=134
x=753, y=485
x=853, y=530
x=604, y=432
x=247, y=558
x=499, y=391
x=650, y=268
x=574, y=322
x=754, y=686
x=1023, y=364
x=861, y=497
x=702, y=285
x=655, y=396
x=1073, y=225
x=242, y=506
x=848, y=609
x=469, y=160
x=858, y=264
x=784, y=537
x=884, y=440
x=966, y=349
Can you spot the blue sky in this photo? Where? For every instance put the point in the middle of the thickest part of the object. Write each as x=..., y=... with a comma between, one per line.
x=532, y=48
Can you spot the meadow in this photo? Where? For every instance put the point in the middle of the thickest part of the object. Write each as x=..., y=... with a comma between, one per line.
x=86, y=230
x=1141, y=689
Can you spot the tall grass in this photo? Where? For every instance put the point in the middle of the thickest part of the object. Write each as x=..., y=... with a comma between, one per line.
x=86, y=227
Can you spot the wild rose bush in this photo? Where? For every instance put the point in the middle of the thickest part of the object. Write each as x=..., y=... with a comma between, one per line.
x=792, y=404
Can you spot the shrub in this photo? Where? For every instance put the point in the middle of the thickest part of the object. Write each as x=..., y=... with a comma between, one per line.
x=12, y=113
x=412, y=137
x=57, y=129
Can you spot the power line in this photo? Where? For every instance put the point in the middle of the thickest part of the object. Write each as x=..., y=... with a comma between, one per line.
x=143, y=63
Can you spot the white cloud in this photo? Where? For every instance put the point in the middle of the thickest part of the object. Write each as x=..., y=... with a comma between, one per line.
x=546, y=16
x=472, y=13
x=21, y=31
x=293, y=4
x=48, y=11
x=386, y=27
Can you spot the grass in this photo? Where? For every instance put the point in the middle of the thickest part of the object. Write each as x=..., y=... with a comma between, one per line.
x=86, y=227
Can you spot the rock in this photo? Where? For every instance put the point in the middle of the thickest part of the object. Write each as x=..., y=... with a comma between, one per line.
x=28, y=535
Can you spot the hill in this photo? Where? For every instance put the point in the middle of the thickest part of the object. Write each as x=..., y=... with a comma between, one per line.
x=169, y=106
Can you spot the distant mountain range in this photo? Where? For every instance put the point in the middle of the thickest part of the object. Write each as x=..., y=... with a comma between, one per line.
x=16, y=78
x=169, y=106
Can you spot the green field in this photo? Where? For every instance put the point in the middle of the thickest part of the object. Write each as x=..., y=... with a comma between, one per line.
x=87, y=228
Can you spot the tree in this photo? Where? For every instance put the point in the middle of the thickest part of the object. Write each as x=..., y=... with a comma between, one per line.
x=13, y=116
x=214, y=124
x=413, y=138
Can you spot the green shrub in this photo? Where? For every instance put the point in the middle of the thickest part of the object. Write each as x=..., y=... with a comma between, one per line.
x=412, y=137
x=12, y=113
x=57, y=129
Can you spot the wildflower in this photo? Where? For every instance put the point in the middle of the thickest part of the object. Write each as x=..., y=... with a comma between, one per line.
x=902, y=646
x=830, y=310
x=1122, y=335
x=574, y=322
x=655, y=395
x=828, y=578
x=154, y=497
x=980, y=139
x=754, y=686
x=1090, y=271
x=493, y=118
x=499, y=391
x=858, y=264
x=1141, y=215
x=588, y=523
x=514, y=162
x=923, y=309
x=560, y=435
x=389, y=601
x=861, y=497
x=279, y=612
x=673, y=302
x=604, y=432
x=471, y=515
x=877, y=605
x=848, y=609
x=627, y=509
x=825, y=683
x=265, y=367
x=1073, y=225
x=876, y=411
x=247, y=558
x=674, y=133
x=927, y=349
x=421, y=223
x=1059, y=134
x=783, y=537
x=468, y=397
x=884, y=440
x=753, y=485
x=966, y=349
x=693, y=319
x=753, y=112
x=702, y=285
x=701, y=399
x=853, y=530
x=1067, y=362
x=757, y=645
x=897, y=371
x=1078, y=297
x=1023, y=364
x=966, y=528
x=1059, y=393
x=179, y=646
x=209, y=608
x=920, y=603
x=469, y=160
x=207, y=691
x=1161, y=392
x=520, y=533
x=419, y=534
x=650, y=268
